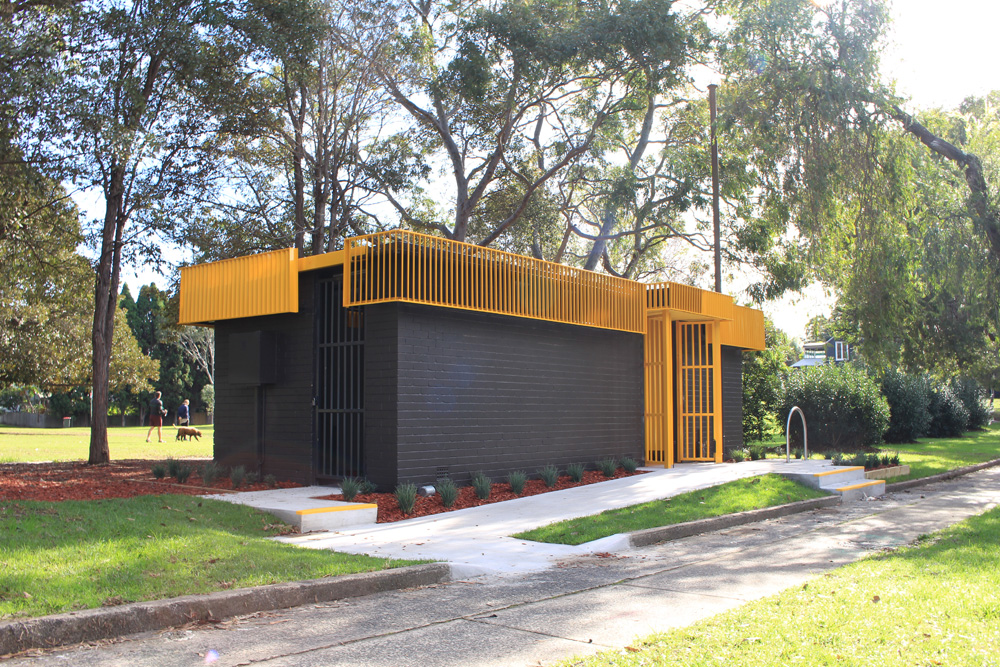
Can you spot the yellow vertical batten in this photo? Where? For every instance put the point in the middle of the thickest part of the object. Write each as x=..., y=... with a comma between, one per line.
x=717, y=387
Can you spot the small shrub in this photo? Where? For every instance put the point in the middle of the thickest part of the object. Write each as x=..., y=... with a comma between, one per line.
x=238, y=475
x=837, y=459
x=482, y=485
x=884, y=459
x=350, y=487
x=367, y=486
x=271, y=481
x=406, y=497
x=252, y=477
x=209, y=473
x=797, y=453
x=630, y=464
x=575, y=472
x=757, y=453
x=739, y=455
x=517, y=480
x=172, y=466
x=608, y=467
x=894, y=459
x=549, y=475
x=871, y=461
x=448, y=491
x=159, y=470
x=183, y=472
x=949, y=416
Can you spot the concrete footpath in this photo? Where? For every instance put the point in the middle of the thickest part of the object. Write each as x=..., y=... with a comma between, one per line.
x=584, y=604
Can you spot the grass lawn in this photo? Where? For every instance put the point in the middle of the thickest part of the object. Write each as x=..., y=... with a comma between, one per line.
x=931, y=456
x=736, y=496
x=57, y=557
x=937, y=603
x=18, y=444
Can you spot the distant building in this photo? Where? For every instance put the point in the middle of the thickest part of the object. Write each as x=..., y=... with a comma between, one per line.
x=822, y=352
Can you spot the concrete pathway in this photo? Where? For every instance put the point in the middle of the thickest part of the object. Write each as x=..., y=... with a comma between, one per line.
x=476, y=541
x=582, y=604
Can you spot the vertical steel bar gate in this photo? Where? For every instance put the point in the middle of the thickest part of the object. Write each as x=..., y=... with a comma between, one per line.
x=340, y=390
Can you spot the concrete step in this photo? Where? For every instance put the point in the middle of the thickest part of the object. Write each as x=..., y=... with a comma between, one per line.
x=847, y=481
x=301, y=507
x=872, y=488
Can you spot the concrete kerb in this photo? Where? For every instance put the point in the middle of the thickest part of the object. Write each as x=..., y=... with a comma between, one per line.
x=951, y=474
x=96, y=624
x=643, y=538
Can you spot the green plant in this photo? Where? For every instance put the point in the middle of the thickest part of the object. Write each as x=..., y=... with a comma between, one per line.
x=482, y=485
x=757, y=452
x=271, y=481
x=841, y=403
x=252, y=477
x=837, y=459
x=894, y=459
x=949, y=416
x=797, y=453
x=517, y=480
x=350, y=487
x=575, y=472
x=739, y=455
x=608, y=466
x=367, y=486
x=885, y=459
x=975, y=399
x=630, y=464
x=549, y=474
x=406, y=497
x=183, y=472
x=448, y=491
x=908, y=400
x=238, y=475
x=172, y=466
x=209, y=472
x=159, y=470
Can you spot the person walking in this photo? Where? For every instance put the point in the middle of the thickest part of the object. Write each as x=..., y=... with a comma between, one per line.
x=184, y=413
x=156, y=413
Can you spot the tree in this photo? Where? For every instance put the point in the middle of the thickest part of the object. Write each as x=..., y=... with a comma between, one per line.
x=518, y=92
x=135, y=115
x=763, y=372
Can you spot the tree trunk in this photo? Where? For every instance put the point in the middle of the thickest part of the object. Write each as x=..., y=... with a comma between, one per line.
x=105, y=303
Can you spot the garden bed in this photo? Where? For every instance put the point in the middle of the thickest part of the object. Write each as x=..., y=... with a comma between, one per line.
x=388, y=507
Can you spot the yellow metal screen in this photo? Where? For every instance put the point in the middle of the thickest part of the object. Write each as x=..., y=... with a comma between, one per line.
x=251, y=286
x=416, y=268
x=659, y=391
x=699, y=413
x=746, y=330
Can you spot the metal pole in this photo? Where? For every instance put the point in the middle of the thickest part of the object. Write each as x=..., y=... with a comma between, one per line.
x=715, y=192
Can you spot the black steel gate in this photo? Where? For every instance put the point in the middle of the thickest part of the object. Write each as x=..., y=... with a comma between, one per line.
x=340, y=390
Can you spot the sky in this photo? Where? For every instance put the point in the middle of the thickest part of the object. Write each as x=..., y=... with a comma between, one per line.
x=938, y=52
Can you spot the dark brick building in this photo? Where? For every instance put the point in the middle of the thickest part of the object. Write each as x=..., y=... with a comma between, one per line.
x=409, y=358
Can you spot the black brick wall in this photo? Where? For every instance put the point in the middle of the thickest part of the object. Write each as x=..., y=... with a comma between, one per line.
x=732, y=399
x=486, y=392
x=286, y=405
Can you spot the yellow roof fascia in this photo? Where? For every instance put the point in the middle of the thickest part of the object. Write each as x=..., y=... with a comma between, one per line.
x=745, y=330
x=326, y=260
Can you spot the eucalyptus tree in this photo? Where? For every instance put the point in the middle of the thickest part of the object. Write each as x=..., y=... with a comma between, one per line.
x=507, y=95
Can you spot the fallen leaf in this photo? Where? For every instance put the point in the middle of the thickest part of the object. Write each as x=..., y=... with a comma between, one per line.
x=876, y=598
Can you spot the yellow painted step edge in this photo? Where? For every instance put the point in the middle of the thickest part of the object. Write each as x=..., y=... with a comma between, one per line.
x=338, y=508
x=838, y=469
x=872, y=482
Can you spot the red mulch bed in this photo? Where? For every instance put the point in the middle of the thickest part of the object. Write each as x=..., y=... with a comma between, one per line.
x=388, y=508
x=118, y=479
x=128, y=478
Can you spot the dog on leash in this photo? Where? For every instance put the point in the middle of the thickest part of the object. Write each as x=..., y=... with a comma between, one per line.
x=185, y=432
